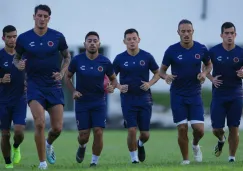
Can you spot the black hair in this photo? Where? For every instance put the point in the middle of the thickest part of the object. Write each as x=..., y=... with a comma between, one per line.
x=43, y=8
x=130, y=31
x=92, y=33
x=227, y=25
x=8, y=29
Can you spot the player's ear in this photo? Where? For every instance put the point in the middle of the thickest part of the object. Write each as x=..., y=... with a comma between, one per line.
x=3, y=38
x=221, y=35
x=124, y=41
x=33, y=16
x=139, y=39
x=178, y=31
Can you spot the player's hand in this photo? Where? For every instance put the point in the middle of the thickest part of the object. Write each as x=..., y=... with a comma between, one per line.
x=6, y=78
x=216, y=82
x=110, y=88
x=76, y=95
x=201, y=77
x=145, y=86
x=170, y=78
x=57, y=76
x=123, y=88
x=21, y=64
x=240, y=72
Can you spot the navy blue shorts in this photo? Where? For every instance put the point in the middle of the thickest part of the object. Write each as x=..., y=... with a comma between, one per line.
x=90, y=115
x=13, y=113
x=46, y=97
x=226, y=108
x=137, y=111
x=187, y=109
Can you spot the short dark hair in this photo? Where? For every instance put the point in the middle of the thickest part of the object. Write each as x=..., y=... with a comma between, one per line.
x=184, y=21
x=43, y=8
x=92, y=33
x=8, y=29
x=130, y=31
x=227, y=25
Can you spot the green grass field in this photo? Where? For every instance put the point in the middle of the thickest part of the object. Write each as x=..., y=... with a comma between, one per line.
x=162, y=154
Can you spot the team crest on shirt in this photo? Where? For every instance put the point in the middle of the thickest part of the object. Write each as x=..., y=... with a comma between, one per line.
x=142, y=62
x=50, y=43
x=100, y=68
x=197, y=56
x=236, y=59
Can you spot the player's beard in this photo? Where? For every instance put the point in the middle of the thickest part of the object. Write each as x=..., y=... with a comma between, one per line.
x=92, y=51
x=10, y=46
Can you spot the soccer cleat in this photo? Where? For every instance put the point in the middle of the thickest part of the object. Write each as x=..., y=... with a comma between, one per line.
x=218, y=148
x=135, y=162
x=50, y=155
x=16, y=155
x=185, y=162
x=231, y=161
x=92, y=165
x=42, y=167
x=80, y=154
x=141, y=153
x=9, y=166
x=197, y=154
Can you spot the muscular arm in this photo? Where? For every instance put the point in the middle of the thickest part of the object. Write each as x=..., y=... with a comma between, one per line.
x=66, y=61
x=113, y=80
x=67, y=79
x=16, y=59
x=162, y=72
x=207, y=69
x=155, y=78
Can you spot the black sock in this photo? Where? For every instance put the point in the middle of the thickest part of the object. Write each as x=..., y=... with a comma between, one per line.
x=15, y=145
x=7, y=160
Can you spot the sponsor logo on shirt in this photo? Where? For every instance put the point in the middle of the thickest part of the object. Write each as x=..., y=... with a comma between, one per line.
x=50, y=43
x=100, y=68
x=236, y=59
x=142, y=62
x=197, y=56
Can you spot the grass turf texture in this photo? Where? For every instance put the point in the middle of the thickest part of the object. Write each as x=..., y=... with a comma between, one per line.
x=162, y=153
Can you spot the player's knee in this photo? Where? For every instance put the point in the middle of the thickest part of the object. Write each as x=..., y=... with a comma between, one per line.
x=98, y=132
x=57, y=130
x=182, y=129
x=199, y=132
x=218, y=131
x=132, y=131
x=19, y=133
x=40, y=124
x=83, y=137
x=5, y=135
x=144, y=136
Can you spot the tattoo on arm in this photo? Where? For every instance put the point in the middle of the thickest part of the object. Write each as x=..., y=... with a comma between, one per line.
x=16, y=59
x=67, y=58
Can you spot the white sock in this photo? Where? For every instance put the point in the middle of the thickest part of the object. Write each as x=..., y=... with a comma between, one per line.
x=48, y=145
x=222, y=140
x=94, y=159
x=83, y=146
x=43, y=163
x=231, y=157
x=134, y=155
x=195, y=146
x=140, y=143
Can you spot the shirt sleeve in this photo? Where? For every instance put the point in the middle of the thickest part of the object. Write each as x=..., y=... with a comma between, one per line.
x=167, y=58
x=62, y=43
x=116, y=65
x=110, y=69
x=153, y=66
x=20, y=46
x=206, y=55
x=72, y=65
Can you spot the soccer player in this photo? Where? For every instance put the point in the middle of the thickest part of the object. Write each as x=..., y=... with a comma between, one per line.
x=13, y=99
x=41, y=47
x=185, y=58
x=90, y=105
x=134, y=66
x=227, y=59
